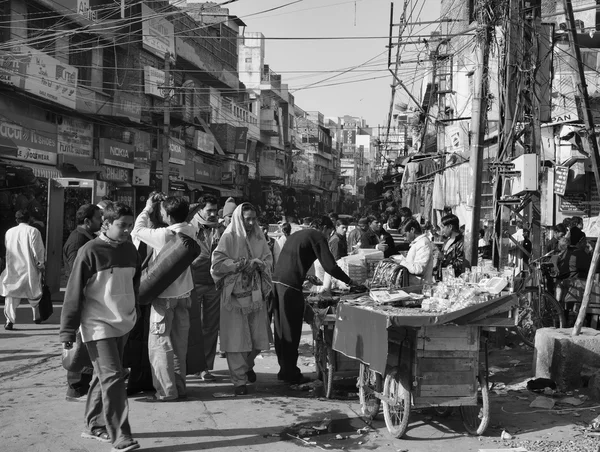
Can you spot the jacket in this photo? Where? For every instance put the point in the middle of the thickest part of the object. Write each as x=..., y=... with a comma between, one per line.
x=338, y=246
x=208, y=239
x=454, y=255
x=370, y=239
x=419, y=261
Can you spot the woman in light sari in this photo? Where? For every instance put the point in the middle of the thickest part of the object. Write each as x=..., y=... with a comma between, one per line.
x=241, y=268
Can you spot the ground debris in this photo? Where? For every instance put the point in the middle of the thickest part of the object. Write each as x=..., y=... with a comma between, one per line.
x=542, y=402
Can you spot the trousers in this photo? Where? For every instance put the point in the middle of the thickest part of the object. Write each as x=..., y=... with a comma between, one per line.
x=10, y=308
x=106, y=404
x=167, y=346
x=288, y=314
x=239, y=363
x=210, y=302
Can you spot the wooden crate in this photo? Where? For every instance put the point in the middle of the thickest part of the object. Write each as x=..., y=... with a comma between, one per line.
x=446, y=365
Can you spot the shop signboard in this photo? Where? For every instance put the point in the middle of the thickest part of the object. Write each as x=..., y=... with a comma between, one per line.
x=175, y=173
x=210, y=174
x=176, y=151
x=241, y=134
x=39, y=74
x=116, y=153
x=573, y=203
x=75, y=137
x=227, y=177
x=158, y=34
x=561, y=174
x=141, y=177
x=154, y=82
x=127, y=105
x=188, y=171
x=204, y=142
x=115, y=174
x=34, y=141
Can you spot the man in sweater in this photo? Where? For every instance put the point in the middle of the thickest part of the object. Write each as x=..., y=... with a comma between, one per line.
x=89, y=222
x=337, y=243
x=101, y=297
x=169, y=315
x=209, y=297
x=300, y=251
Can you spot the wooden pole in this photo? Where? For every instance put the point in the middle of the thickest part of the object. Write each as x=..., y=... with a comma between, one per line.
x=166, y=125
x=590, y=145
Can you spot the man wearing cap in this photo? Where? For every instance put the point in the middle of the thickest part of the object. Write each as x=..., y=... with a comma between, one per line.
x=354, y=236
x=228, y=209
x=209, y=233
x=22, y=277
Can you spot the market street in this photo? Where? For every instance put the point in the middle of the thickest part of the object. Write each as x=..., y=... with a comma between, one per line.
x=35, y=417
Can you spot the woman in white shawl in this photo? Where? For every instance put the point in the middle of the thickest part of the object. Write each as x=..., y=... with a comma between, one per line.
x=241, y=268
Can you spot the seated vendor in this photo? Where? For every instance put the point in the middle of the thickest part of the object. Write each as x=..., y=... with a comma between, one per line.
x=419, y=260
x=376, y=237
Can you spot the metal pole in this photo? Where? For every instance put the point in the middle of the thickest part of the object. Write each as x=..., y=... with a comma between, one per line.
x=590, y=145
x=166, y=126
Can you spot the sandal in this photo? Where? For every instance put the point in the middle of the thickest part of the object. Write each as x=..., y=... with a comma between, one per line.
x=126, y=446
x=97, y=433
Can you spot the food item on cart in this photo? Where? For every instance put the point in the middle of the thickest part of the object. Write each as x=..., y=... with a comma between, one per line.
x=493, y=285
x=387, y=273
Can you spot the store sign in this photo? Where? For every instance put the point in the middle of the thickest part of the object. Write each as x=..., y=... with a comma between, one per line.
x=241, y=135
x=176, y=151
x=154, y=82
x=204, y=142
x=115, y=153
x=158, y=34
x=561, y=174
x=127, y=105
x=75, y=137
x=115, y=174
x=227, y=177
x=83, y=9
x=141, y=177
x=34, y=141
x=211, y=174
x=39, y=74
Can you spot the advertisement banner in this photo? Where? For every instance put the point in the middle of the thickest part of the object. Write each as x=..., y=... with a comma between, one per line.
x=176, y=151
x=204, y=142
x=115, y=174
x=127, y=105
x=75, y=137
x=34, y=141
x=115, y=153
x=39, y=74
x=227, y=177
x=158, y=34
x=154, y=81
x=561, y=175
x=141, y=177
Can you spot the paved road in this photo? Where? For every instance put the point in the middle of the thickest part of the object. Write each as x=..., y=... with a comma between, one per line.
x=35, y=417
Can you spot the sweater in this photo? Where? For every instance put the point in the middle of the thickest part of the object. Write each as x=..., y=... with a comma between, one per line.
x=300, y=251
x=79, y=237
x=338, y=246
x=102, y=291
x=208, y=239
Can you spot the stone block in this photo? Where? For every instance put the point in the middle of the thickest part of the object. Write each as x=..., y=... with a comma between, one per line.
x=562, y=357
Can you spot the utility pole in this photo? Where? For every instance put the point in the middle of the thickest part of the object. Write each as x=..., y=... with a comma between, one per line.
x=478, y=123
x=590, y=145
x=166, y=125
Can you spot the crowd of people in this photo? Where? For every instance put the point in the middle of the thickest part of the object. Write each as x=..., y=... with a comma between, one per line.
x=242, y=292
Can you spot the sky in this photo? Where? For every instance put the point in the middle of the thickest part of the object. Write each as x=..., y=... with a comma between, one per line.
x=307, y=65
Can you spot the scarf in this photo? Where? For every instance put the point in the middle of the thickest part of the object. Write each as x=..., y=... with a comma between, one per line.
x=249, y=288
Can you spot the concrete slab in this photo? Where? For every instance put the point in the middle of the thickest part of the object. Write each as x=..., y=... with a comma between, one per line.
x=561, y=357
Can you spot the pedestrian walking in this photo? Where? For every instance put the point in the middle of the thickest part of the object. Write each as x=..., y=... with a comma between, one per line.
x=22, y=277
x=101, y=298
x=169, y=315
x=208, y=295
x=300, y=251
x=242, y=269
x=89, y=222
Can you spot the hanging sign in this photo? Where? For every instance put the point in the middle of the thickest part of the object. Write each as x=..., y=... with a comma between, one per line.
x=75, y=137
x=115, y=153
x=561, y=174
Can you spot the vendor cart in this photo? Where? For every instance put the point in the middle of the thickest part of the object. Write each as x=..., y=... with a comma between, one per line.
x=328, y=361
x=410, y=358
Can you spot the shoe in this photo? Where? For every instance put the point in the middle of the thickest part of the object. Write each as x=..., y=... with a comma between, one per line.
x=82, y=398
x=8, y=326
x=207, y=376
x=38, y=321
x=98, y=433
x=126, y=446
x=154, y=399
x=251, y=375
x=241, y=390
x=222, y=355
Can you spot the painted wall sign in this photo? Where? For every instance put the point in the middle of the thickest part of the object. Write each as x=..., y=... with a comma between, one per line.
x=75, y=137
x=158, y=34
x=39, y=74
x=115, y=153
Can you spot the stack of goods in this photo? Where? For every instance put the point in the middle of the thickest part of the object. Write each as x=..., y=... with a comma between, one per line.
x=457, y=293
x=388, y=274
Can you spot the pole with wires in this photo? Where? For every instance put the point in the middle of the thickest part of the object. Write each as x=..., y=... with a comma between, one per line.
x=166, y=125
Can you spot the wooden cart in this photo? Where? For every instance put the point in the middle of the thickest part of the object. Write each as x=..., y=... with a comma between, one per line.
x=328, y=361
x=412, y=359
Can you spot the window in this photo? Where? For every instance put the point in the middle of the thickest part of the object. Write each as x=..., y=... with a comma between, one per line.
x=80, y=56
x=41, y=23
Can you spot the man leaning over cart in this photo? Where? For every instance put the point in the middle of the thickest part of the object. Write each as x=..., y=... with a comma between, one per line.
x=300, y=251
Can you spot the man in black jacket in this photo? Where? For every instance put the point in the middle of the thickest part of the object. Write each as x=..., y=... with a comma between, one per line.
x=378, y=238
x=89, y=221
x=300, y=251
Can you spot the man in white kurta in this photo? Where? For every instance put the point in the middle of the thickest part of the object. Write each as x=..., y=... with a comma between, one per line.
x=22, y=277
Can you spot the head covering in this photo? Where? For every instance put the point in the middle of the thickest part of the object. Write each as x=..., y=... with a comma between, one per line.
x=242, y=290
x=363, y=221
x=102, y=204
x=229, y=207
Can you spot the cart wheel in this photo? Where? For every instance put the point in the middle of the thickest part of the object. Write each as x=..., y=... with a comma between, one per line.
x=319, y=351
x=368, y=383
x=395, y=390
x=476, y=418
x=327, y=360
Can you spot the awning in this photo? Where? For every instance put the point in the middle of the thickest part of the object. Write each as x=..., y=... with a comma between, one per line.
x=42, y=171
x=83, y=165
x=229, y=192
x=7, y=147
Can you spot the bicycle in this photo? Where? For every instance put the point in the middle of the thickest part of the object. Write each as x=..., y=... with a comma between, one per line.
x=538, y=308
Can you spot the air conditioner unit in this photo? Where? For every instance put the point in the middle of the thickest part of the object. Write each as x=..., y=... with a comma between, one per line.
x=528, y=167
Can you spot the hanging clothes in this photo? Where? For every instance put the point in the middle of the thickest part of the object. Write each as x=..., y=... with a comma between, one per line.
x=439, y=190
x=452, y=187
x=427, y=197
x=465, y=184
